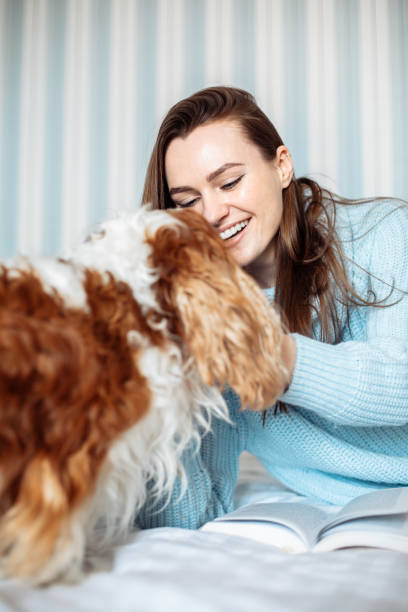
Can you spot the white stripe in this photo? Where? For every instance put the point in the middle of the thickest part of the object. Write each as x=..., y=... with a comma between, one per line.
x=32, y=128
x=375, y=109
x=170, y=69
x=367, y=98
x=219, y=43
x=383, y=129
x=115, y=113
x=75, y=182
x=321, y=92
x=122, y=106
x=270, y=60
x=210, y=42
x=225, y=33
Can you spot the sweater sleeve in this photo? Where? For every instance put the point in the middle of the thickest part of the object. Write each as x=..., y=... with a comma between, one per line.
x=211, y=474
x=364, y=381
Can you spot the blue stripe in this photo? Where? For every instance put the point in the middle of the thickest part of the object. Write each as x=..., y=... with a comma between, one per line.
x=398, y=36
x=99, y=111
x=295, y=85
x=12, y=54
x=194, y=49
x=244, y=45
x=348, y=87
x=53, y=146
x=145, y=125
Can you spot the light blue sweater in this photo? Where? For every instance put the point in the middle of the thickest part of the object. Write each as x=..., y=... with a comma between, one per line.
x=346, y=431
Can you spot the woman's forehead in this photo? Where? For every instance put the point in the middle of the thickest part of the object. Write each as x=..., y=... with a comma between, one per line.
x=207, y=148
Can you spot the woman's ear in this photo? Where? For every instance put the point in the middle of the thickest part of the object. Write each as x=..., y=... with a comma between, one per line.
x=284, y=164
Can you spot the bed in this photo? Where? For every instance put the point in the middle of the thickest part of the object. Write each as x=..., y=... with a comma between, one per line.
x=176, y=570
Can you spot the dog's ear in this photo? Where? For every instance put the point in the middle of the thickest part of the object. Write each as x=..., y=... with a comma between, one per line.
x=219, y=312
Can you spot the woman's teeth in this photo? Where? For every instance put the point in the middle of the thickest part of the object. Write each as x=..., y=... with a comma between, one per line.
x=231, y=231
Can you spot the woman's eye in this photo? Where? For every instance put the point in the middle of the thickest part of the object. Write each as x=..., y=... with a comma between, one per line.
x=231, y=184
x=186, y=204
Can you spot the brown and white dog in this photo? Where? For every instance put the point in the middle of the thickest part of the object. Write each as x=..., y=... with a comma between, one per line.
x=112, y=362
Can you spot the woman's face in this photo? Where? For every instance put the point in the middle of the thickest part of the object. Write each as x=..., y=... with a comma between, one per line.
x=218, y=172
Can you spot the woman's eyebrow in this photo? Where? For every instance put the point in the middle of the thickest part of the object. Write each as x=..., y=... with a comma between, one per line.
x=175, y=190
x=222, y=169
x=210, y=177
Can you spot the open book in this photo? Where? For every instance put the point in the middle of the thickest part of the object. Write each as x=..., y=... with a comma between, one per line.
x=378, y=519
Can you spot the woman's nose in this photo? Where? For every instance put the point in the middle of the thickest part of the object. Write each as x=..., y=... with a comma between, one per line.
x=214, y=210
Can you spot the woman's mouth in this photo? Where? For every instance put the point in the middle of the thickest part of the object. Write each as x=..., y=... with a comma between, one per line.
x=234, y=230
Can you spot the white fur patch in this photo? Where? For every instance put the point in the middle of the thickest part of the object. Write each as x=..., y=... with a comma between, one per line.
x=181, y=411
x=119, y=246
x=58, y=276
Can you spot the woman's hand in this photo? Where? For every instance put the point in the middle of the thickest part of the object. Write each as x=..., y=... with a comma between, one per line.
x=288, y=352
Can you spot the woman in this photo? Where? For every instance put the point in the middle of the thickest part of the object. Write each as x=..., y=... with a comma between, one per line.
x=336, y=270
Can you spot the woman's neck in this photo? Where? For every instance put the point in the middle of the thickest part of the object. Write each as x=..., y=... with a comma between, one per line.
x=263, y=269
x=262, y=272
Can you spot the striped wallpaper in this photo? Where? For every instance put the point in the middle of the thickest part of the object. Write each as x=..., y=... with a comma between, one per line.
x=85, y=83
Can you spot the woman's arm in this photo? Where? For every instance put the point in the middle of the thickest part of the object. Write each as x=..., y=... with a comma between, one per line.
x=364, y=381
x=355, y=383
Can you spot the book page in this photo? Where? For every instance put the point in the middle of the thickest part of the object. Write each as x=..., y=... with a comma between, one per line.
x=272, y=534
x=389, y=532
x=384, y=502
x=310, y=521
x=305, y=519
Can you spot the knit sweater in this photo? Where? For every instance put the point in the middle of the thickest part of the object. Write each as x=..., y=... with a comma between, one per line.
x=346, y=428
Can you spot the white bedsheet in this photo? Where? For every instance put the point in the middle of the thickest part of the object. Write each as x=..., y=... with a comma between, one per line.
x=175, y=570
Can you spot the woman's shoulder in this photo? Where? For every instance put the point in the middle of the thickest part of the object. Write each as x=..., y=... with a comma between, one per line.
x=360, y=218
x=374, y=235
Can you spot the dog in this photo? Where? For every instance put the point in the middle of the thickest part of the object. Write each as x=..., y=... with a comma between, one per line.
x=111, y=362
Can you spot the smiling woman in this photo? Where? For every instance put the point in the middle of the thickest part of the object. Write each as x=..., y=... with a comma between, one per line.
x=335, y=269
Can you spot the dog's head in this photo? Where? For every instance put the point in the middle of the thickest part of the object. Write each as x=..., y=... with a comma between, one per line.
x=219, y=311
x=187, y=282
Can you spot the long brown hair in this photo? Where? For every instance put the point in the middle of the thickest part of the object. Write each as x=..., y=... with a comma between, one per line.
x=310, y=266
